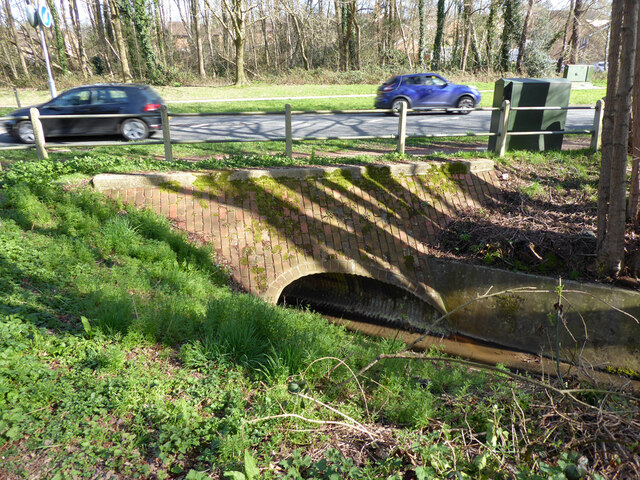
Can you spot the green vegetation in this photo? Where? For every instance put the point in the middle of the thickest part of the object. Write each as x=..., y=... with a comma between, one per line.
x=123, y=349
x=256, y=93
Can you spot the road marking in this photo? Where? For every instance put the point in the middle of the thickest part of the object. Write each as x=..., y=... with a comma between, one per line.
x=200, y=125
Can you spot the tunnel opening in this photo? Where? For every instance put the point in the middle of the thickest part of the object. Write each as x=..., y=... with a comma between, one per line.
x=363, y=299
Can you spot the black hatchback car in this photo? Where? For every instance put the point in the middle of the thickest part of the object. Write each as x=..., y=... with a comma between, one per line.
x=107, y=98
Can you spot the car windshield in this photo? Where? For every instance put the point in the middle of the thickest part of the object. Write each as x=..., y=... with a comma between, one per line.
x=438, y=81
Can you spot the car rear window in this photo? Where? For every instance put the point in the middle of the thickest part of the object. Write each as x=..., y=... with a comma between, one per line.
x=153, y=95
x=391, y=80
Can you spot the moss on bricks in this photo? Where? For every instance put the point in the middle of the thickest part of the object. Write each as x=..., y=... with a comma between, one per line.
x=341, y=180
x=170, y=186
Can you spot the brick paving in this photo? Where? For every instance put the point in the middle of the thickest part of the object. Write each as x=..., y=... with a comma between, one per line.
x=272, y=229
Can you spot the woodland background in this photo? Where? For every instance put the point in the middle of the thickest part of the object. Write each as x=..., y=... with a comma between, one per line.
x=347, y=41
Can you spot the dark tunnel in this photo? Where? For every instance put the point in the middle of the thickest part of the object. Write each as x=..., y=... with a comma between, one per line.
x=363, y=299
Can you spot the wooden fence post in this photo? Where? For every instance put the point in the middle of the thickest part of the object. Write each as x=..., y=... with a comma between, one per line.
x=166, y=134
x=501, y=141
x=596, y=136
x=288, y=132
x=402, y=128
x=15, y=92
x=38, y=133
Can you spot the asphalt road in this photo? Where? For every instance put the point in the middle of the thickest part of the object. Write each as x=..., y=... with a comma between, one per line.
x=265, y=127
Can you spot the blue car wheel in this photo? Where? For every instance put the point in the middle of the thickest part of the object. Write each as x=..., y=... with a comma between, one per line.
x=465, y=102
x=396, y=105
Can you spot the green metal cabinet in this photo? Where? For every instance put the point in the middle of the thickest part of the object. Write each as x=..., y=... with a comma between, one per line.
x=578, y=73
x=530, y=92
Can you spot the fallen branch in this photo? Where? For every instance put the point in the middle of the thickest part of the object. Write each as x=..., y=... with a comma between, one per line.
x=564, y=392
x=310, y=420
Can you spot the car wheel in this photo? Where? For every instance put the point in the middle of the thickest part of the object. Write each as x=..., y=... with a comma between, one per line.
x=134, y=129
x=396, y=105
x=24, y=132
x=465, y=102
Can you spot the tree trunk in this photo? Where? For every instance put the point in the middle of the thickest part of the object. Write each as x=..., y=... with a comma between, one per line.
x=160, y=35
x=238, y=21
x=611, y=251
x=212, y=52
x=565, y=36
x=490, y=29
x=355, y=37
x=466, y=41
x=7, y=55
x=241, y=77
x=75, y=19
x=422, y=41
x=634, y=188
x=404, y=37
x=436, y=62
x=343, y=42
x=578, y=14
x=120, y=43
x=195, y=18
x=523, y=38
x=263, y=25
x=16, y=40
x=142, y=25
x=73, y=42
x=507, y=35
x=60, y=43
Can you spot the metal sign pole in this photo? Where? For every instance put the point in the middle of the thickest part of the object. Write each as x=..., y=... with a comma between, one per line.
x=45, y=54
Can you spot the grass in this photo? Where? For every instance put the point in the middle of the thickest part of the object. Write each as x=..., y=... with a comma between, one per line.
x=257, y=91
x=124, y=349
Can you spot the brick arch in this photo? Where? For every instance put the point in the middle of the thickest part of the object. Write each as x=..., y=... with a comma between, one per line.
x=351, y=267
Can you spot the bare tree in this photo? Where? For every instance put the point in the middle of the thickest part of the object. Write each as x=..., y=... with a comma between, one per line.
x=467, y=14
x=116, y=22
x=613, y=170
x=15, y=39
x=75, y=20
x=195, y=19
x=634, y=188
x=574, y=43
x=522, y=45
x=236, y=11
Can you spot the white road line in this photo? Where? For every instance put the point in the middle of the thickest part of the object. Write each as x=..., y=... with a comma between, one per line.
x=200, y=125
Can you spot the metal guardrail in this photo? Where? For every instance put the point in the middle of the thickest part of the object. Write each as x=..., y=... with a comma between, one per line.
x=502, y=133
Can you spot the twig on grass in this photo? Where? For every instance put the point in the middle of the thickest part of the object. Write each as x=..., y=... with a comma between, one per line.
x=311, y=420
x=355, y=377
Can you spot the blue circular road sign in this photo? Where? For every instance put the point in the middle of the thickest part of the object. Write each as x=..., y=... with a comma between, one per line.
x=44, y=16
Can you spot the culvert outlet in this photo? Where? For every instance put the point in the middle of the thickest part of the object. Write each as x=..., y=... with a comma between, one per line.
x=363, y=299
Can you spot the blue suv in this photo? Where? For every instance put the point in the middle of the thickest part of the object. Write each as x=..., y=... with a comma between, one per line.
x=422, y=90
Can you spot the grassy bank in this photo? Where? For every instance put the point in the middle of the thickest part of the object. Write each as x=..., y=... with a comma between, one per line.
x=124, y=352
x=254, y=95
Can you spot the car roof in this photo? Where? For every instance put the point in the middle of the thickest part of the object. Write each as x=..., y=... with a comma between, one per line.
x=419, y=74
x=113, y=84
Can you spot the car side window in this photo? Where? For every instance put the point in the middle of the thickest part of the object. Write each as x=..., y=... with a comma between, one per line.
x=70, y=99
x=427, y=80
x=438, y=81
x=102, y=96
x=118, y=96
x=412, y=80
